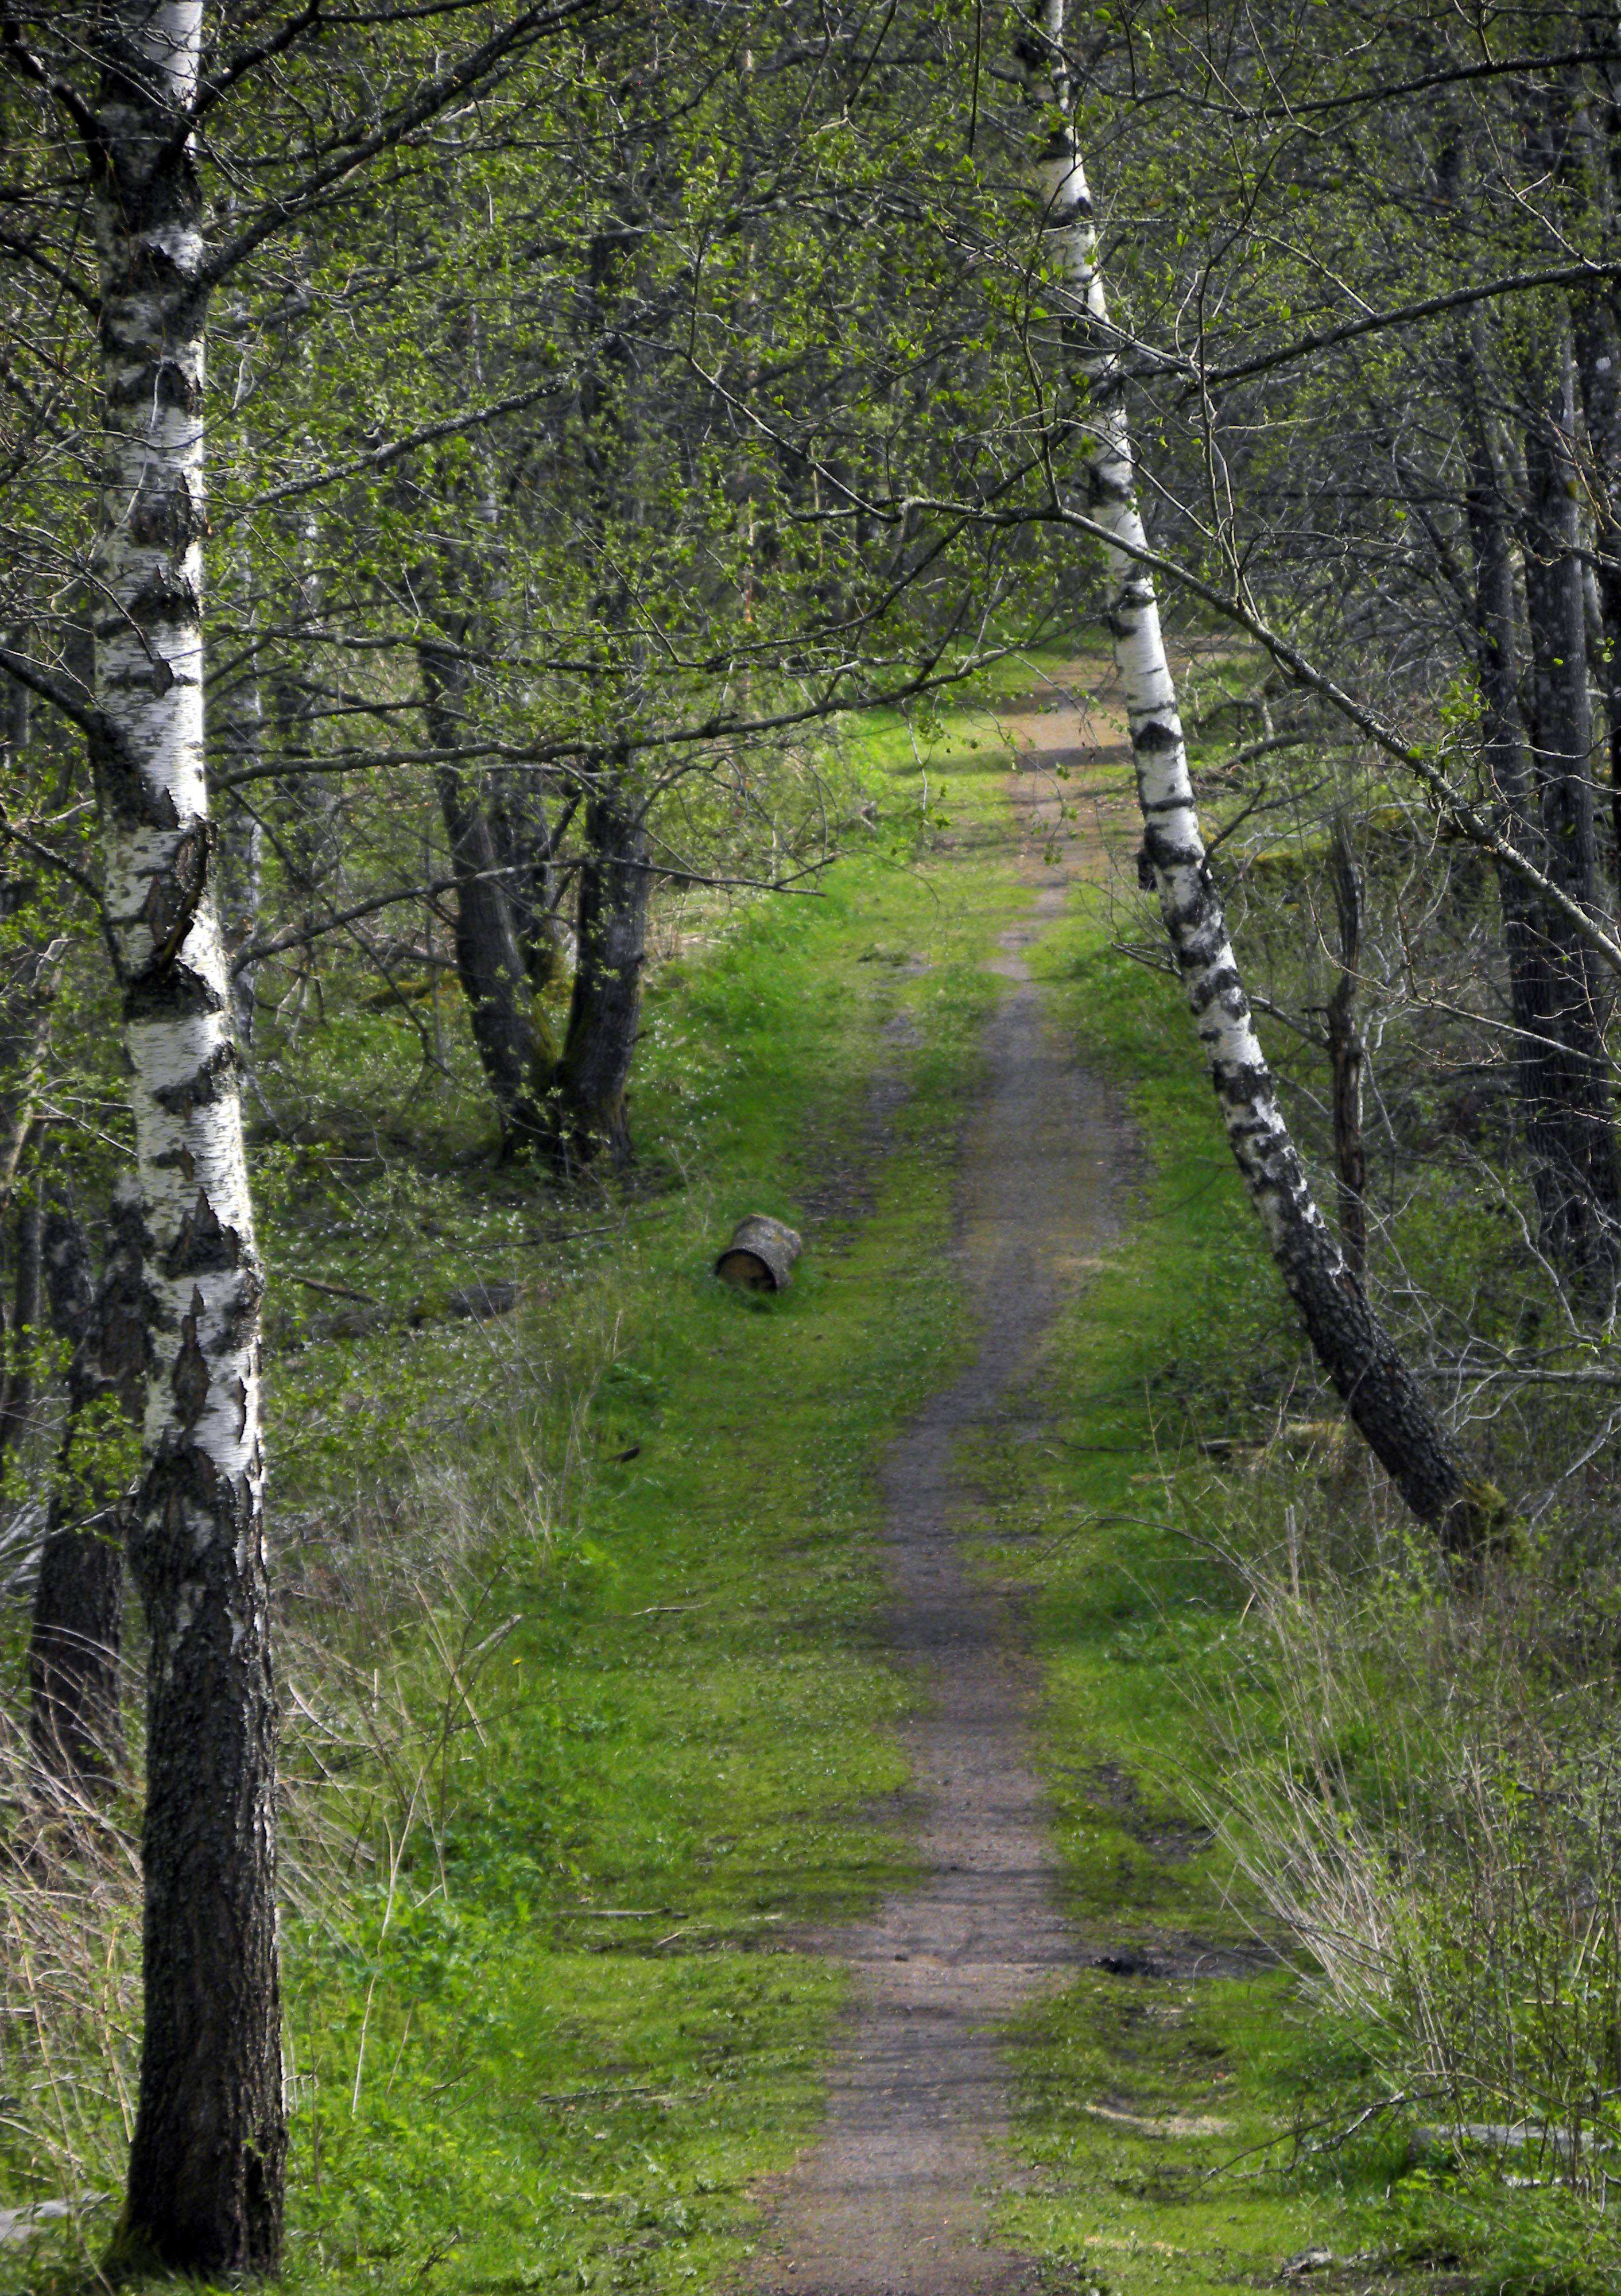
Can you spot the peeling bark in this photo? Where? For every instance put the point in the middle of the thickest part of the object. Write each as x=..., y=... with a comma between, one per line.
x=1383, y=1400
x=207, y=2159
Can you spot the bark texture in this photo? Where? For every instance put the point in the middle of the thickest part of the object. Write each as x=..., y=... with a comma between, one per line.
x=16, y=1379
x=27, y=989
x=1385, y=1401
x=514, y=1048
x=586, y=1109
x=74, y=1720
x=207, y=2159
x=1345, y=1054
x=1564, y=1068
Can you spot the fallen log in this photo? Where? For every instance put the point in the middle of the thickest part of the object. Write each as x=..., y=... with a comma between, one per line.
x=760, y=1256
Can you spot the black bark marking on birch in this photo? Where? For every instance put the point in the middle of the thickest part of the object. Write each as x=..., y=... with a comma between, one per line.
x=166, y=993
x=175, y=889
x=126, y=793
x=204, y=1245
x=190, y=1381
x=166, y=517
x=165, y=599
x=216, y=1077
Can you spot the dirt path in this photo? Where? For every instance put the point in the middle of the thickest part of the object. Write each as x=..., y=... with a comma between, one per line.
x=895, y=2199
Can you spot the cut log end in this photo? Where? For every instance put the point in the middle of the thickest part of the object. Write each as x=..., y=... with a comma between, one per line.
x=760, y=1256
x=746, y=1270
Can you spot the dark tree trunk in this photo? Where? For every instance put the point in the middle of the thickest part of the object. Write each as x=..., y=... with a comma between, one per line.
x=17, y=1382
x=307, y=844
x=1556, y=1131
x=27, y=989
x=1346, y=1055
x=1601, y=364
x=586, y=1108
x=526, y=846
x=507, y=1030
x=75, y=1720
x=1564, y=1070
x=207, y=2159
x=1503, y=749
x=242, y=848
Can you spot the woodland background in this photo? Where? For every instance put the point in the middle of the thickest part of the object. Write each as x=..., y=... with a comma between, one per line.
x=635, y=438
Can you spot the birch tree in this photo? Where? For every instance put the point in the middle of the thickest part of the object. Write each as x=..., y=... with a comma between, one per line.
x=1384, y=1399
x=207, y=2160
x=208, y=2153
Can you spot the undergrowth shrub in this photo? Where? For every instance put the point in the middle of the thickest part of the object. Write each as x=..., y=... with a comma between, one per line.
x=1423, y=1785
x=394, y=1601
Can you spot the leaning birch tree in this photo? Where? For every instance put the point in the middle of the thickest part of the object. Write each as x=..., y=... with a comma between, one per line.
x=207, y=2161
x=1385, y=1401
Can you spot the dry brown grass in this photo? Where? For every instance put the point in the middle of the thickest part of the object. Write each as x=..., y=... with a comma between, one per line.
x=1427, y=1794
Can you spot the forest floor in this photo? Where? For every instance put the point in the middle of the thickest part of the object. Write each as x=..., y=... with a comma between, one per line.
x=806, y=1881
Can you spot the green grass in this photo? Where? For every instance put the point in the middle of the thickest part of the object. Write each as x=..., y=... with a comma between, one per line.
x=670, y=1699
x=687, y=1714
x=693, y=1718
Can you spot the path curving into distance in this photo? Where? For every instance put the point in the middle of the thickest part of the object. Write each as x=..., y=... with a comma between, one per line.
x=895, y=2197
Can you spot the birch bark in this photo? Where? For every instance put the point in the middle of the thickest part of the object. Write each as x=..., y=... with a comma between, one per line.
x=1383, y=1400
x=207, y=2159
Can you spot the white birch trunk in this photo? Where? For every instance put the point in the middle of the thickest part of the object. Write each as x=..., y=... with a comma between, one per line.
x=1383, y=1398
x=207, y=2159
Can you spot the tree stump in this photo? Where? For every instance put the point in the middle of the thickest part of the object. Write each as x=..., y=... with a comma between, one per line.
x=760, y=1256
